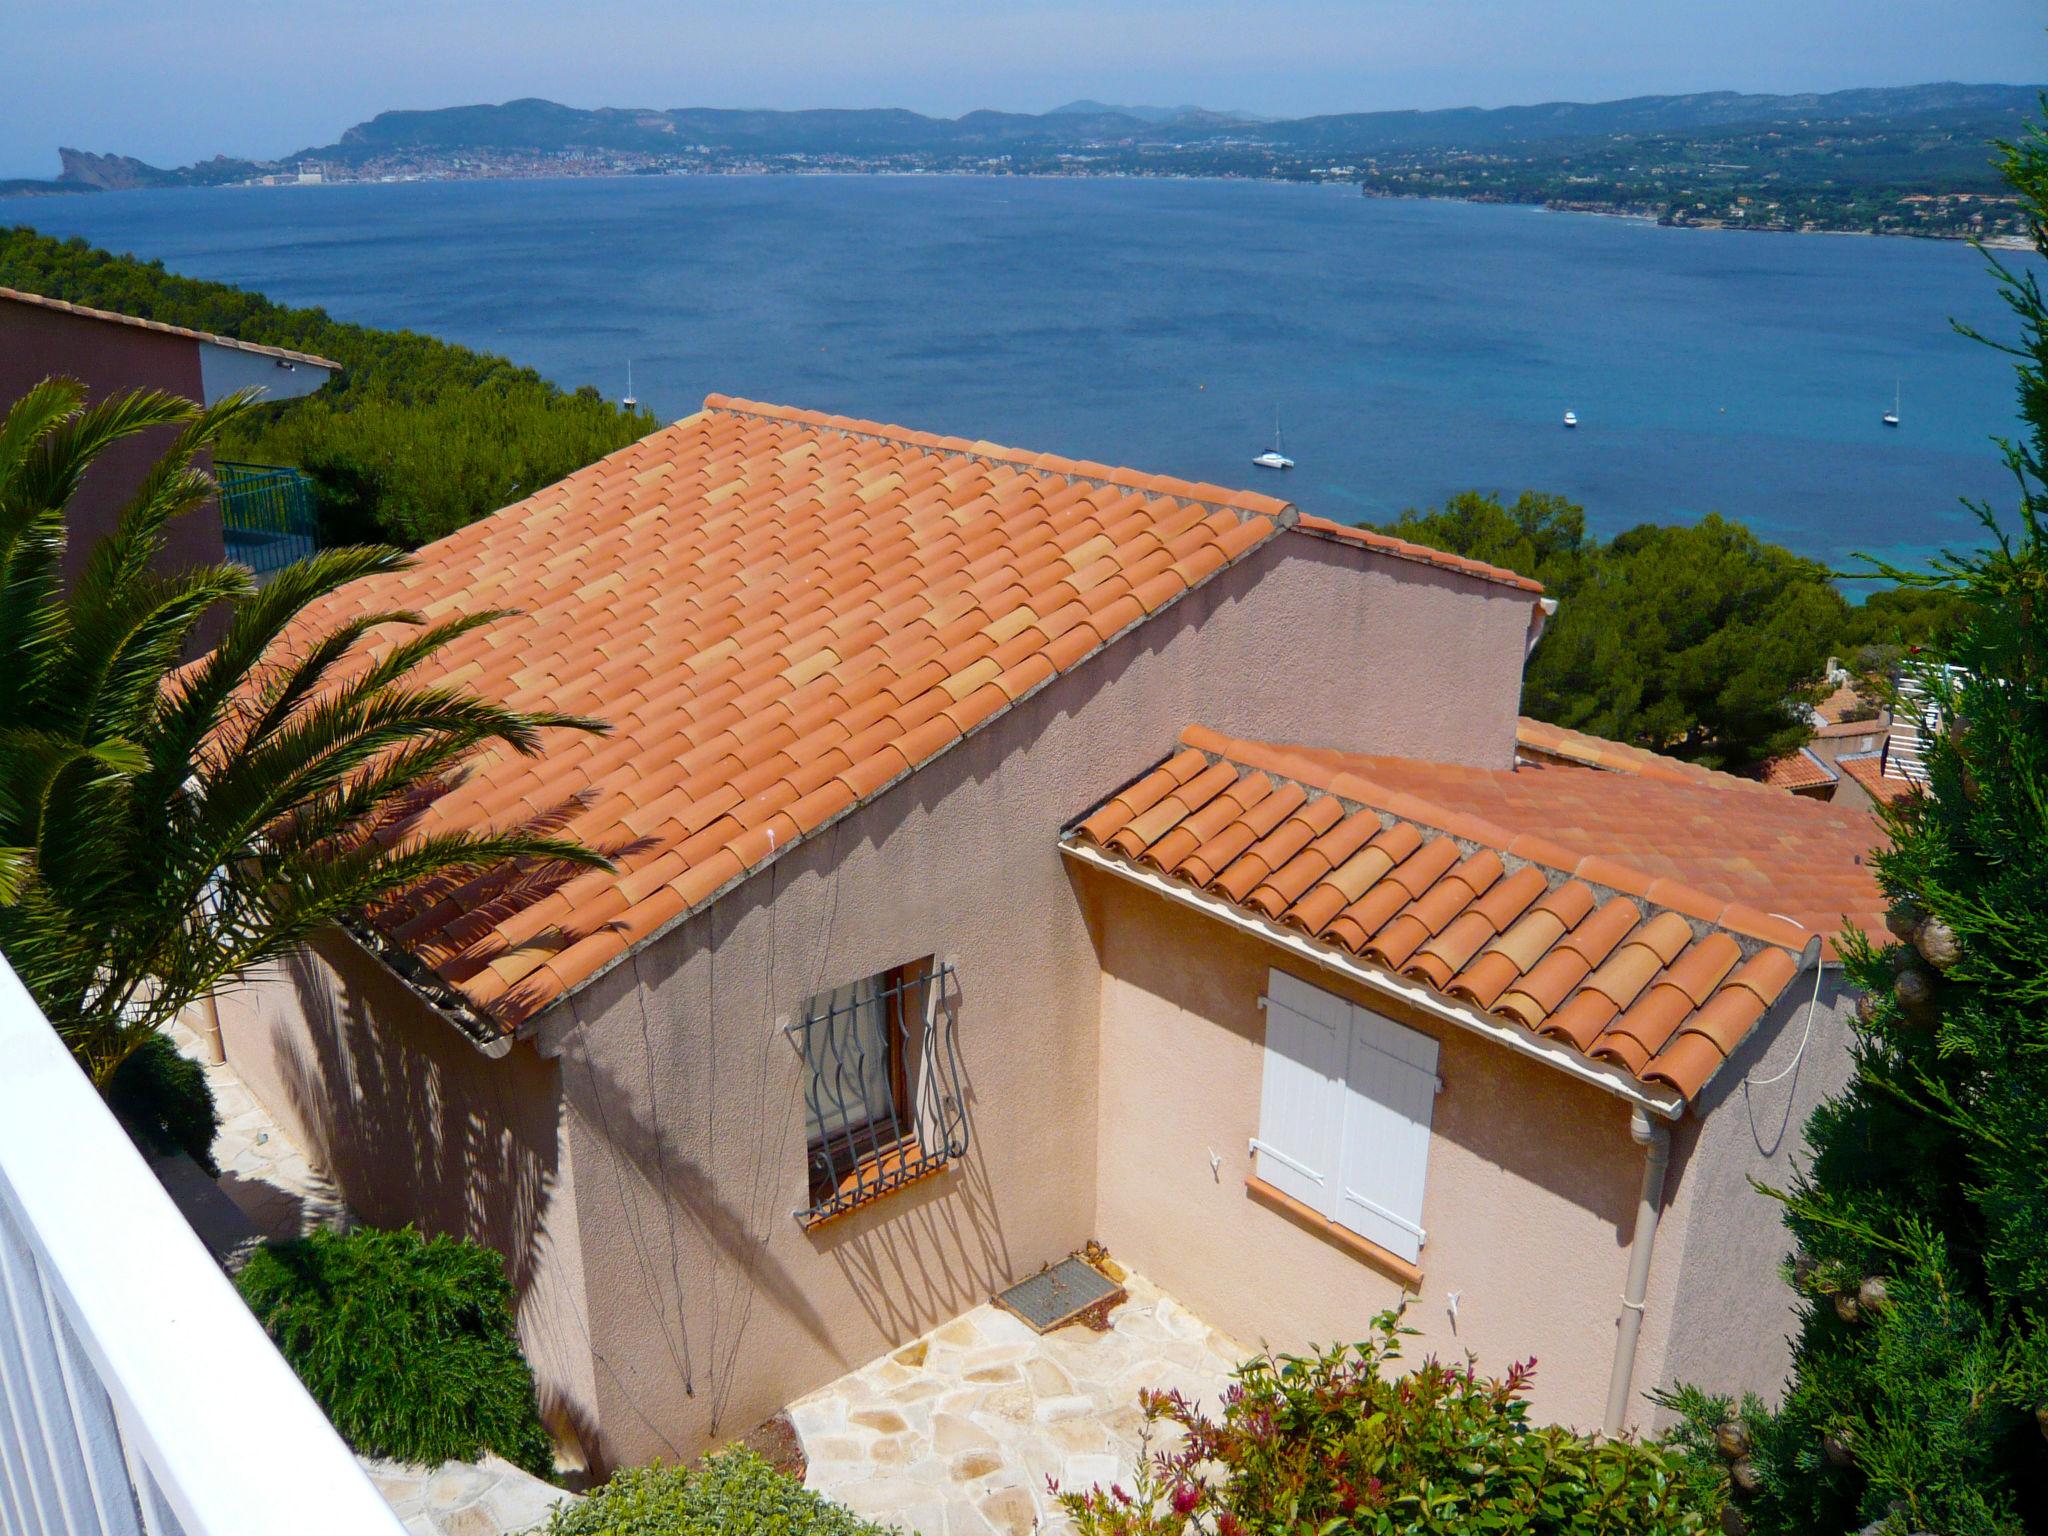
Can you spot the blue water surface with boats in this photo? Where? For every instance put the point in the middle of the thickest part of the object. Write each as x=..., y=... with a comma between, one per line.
x=1407, y=349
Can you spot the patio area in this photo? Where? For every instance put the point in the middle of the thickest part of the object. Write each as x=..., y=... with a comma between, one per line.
x=956, y=1433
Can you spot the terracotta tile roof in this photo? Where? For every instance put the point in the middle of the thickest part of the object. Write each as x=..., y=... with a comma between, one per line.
x=779, y=613
x=1623, y=915
x=1540, y=741
x=1403, y=549
x=1867, y=769
x=115, y=317
x=1731, y=838
x=1794, y=771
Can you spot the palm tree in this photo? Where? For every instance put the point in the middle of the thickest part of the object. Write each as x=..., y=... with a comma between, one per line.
x=166, y=825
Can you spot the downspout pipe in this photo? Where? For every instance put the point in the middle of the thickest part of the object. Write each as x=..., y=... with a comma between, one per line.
x=1654, y=1137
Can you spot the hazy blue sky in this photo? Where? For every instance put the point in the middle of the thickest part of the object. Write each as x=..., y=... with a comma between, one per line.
x=175, y=80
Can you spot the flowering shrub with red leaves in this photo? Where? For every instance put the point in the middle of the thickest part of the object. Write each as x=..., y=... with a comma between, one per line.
x=1333, y=1443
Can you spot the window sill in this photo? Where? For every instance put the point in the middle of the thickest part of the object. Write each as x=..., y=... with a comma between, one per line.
x=886, y=1173
x=1390, y=1264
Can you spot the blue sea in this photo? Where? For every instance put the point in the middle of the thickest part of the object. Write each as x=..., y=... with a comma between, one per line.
x=1411, y=349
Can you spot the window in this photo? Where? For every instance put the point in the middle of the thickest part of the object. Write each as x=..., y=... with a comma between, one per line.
x=882, y=1100
x=1344, y=1113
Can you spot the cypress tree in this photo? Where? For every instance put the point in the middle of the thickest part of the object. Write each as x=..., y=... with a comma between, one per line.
x=1919, y=1394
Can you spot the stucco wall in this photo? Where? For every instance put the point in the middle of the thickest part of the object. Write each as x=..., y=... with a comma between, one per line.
x=109, y=359
x=709, y=1307
x=415, y=1125
x=1532, y=1183
x=1529, y=1202
x=1731, y=1315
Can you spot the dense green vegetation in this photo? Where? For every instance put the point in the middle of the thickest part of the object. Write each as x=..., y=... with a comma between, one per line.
x=415, y=437
x=734, y=1493
x=406, y=1342
x=1919, y=1394
x=1701, y=641
x=1343, y=1443
x=163, y=1100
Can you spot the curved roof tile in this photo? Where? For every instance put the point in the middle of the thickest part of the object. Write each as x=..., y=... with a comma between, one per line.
x=1625, y=964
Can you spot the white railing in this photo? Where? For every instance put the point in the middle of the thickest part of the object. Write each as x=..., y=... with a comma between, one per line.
x=138, y=1396
x=1915, y=718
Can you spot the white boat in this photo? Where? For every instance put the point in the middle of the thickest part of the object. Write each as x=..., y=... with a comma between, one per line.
x=1273, y=458
x=1571, y=418
x=1891, y=417
x=628, y=401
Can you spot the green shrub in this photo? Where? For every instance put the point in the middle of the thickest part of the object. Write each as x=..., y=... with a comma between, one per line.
x=1332, y=1443
x=734, y=1493
x=164, y=1101
x=406, y=1341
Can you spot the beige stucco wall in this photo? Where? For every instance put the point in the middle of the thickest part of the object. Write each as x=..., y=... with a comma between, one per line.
x=1731, y=1316
x=1532, y=1185
x=1528, y=1204
x=416, y=1125
x=680, y=1099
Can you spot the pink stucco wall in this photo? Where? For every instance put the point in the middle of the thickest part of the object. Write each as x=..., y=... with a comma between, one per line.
x=1532, y=1182
x=109, y=359
x=696, y=1303
x=416, y=1125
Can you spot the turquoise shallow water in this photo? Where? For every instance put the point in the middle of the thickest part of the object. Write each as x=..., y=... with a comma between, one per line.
x=1413, y=349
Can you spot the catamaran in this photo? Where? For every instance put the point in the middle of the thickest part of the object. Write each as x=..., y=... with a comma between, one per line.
x=1273, y=458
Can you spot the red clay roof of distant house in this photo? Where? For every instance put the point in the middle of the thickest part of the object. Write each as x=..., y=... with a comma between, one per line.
x=1625, y=916
x=1539, y=740
x=1791, y=771
x=1403, y=549
x=1867, y=769
x=114, y=317
x=780, y=613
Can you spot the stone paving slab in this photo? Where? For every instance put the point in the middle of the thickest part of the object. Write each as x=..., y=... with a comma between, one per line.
x=957, y=1433
x=487, y=1498
x=262, y=1171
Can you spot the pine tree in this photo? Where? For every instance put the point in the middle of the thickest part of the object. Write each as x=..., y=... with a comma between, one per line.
x=1919, y=1395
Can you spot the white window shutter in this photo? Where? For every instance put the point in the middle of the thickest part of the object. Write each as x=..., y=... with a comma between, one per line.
x=1301, y=1097
x=1390, y=1095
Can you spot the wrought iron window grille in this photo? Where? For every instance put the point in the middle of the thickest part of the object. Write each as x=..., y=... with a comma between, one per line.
x=882, y=1089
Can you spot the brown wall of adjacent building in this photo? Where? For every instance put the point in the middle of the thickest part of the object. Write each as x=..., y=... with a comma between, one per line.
x=109, y=359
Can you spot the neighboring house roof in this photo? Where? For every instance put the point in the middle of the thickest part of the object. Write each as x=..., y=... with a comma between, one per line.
x=780, y=613
x=1403, y=549
x=1795, y=771
x=1867, y=769
x=1543, y=742
x=283, y=354
x=1623, y=916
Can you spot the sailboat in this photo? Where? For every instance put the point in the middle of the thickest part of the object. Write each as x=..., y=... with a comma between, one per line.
x=629, y=402
x=1273, y=458
x=1891, y=417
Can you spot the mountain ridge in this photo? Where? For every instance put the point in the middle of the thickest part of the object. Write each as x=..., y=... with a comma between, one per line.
x=534, y=125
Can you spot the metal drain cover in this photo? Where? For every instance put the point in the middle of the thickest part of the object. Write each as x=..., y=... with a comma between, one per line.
x=1060, y=1293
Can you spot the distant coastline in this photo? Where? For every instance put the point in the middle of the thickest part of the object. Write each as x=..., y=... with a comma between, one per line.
x=1993, y=241
x=1907, y=160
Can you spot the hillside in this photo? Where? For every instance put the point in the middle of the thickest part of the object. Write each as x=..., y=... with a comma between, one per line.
x=542, y=127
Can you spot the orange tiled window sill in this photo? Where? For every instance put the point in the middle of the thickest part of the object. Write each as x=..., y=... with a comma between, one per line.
x=877, y=1178
x=1390, y=1264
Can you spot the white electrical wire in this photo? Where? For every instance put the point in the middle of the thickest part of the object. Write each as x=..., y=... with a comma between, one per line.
x=1750, y=1080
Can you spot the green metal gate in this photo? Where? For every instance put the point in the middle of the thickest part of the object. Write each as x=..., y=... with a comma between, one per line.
x=266, y=514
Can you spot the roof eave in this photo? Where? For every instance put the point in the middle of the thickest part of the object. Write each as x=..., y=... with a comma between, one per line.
x=1667, y=1103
